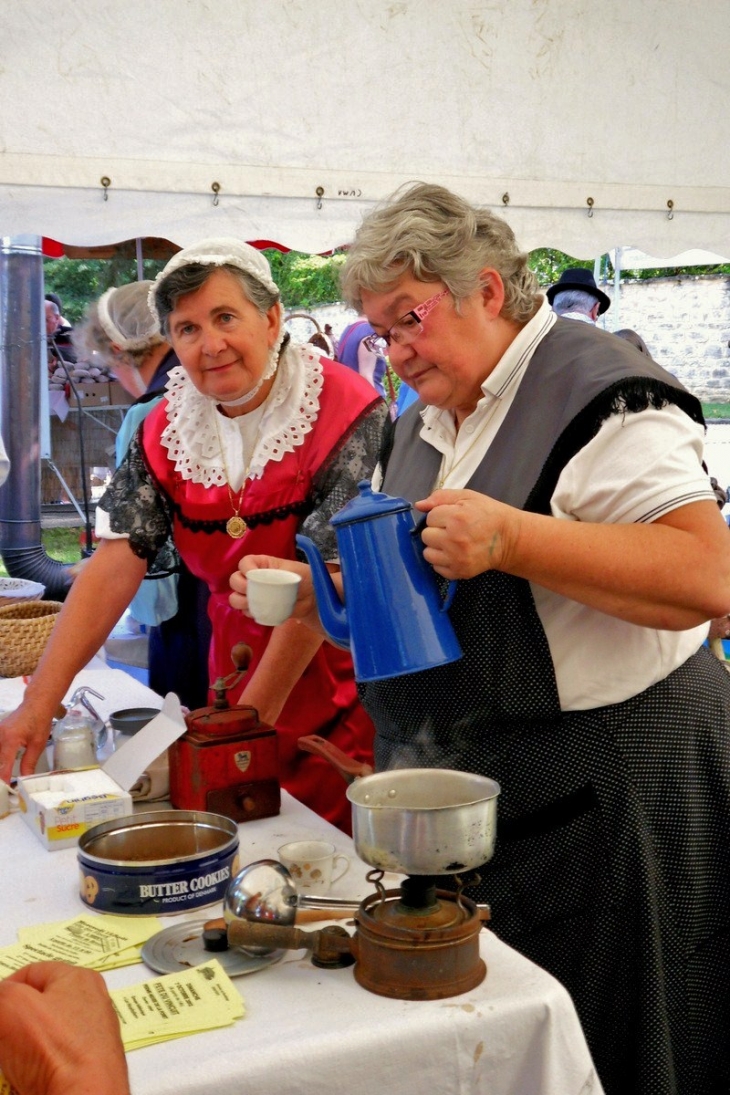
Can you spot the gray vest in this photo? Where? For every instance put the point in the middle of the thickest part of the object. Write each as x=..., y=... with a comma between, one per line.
x=576, y=379
x=593, y=877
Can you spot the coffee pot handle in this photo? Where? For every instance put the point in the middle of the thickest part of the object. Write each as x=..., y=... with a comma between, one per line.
x=451, y=590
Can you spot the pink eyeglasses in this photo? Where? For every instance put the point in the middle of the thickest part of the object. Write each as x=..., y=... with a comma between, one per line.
x=405, y=329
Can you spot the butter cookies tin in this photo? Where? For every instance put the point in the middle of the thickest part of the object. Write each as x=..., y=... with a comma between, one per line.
x=163, y=861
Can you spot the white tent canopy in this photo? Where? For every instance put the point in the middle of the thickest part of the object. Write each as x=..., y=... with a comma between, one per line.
x=305, y=112
x=630, y=258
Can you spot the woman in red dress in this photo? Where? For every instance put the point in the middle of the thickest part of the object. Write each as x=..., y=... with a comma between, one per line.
x=255, y=440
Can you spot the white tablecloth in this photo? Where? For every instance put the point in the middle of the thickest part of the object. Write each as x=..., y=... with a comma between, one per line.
x=118, y=689
x=309, y=1031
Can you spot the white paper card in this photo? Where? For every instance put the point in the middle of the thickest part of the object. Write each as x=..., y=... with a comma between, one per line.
x=128, y=763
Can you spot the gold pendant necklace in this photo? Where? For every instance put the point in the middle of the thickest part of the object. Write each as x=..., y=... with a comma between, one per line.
x=236, y=526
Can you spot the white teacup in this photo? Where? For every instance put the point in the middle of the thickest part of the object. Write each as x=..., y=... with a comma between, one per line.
x=312, y=864
x=272, y=595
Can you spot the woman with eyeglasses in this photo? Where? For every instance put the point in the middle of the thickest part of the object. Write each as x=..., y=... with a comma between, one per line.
x=562, y=481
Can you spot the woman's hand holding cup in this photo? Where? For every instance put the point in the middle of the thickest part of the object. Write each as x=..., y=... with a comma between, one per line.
x=257, y=593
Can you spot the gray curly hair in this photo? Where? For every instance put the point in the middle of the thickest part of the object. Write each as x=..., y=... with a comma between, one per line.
x=435, y=235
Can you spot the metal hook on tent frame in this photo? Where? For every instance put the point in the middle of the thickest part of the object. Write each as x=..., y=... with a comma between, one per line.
x=106, y=183
x=590, y=203
x=505, y=198
x=320, y=194
x=670, y=210
x=216, y=188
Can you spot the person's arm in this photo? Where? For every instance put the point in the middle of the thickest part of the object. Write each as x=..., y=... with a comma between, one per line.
x=290, y=650
x=672, y=574
x=59, y=1033
x=293, y=644
x=97, y=599
x=367, y=361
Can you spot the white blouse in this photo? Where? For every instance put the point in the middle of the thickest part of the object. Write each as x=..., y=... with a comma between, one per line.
x=637, y=468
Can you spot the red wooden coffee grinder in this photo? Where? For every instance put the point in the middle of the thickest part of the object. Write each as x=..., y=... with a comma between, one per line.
x=227, y=761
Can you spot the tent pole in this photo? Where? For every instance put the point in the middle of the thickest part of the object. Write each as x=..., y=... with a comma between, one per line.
x=597, y=275
x=616, y=306
x=23, y=361
x=140, y=258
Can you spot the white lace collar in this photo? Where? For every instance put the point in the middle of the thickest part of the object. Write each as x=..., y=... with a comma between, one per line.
x=279, y=426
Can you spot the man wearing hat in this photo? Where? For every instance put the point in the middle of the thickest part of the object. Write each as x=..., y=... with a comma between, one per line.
x=576, y=296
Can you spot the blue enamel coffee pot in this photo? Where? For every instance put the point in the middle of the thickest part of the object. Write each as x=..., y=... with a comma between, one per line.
x=394, y=619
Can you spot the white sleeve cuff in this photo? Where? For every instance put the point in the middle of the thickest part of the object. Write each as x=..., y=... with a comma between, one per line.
x=102, y=529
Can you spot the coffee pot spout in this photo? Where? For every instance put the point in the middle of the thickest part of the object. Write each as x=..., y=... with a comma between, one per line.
x=332, y=612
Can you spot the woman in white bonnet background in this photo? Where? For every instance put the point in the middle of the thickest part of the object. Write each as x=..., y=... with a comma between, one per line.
x=255, y=440
x=172, y=603
x=120, y=328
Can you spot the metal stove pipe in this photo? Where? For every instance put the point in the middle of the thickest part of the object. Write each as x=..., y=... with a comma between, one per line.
x=22, y=356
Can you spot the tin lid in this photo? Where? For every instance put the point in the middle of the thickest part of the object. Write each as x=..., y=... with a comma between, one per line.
x=368, y=504
x=180, y=947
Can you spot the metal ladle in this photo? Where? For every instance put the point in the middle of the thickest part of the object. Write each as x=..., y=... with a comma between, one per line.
x=262, y=906
x=263, y=897
x=265, y=892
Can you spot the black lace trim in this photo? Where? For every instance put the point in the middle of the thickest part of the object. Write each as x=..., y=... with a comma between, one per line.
x=368, y=422
x=627, y=396
x=344, y=438
x=253, y=520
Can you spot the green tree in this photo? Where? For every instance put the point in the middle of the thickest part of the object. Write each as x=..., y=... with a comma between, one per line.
x=548, y=264
x=306, y=281
x=78, y=282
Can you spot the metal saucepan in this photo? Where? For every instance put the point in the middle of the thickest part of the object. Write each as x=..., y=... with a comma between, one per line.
x=417, y=821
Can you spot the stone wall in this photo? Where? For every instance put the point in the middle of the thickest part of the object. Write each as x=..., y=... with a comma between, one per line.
x=685, y=322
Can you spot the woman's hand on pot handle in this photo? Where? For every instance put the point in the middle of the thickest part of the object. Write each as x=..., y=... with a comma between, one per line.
x=467, y=532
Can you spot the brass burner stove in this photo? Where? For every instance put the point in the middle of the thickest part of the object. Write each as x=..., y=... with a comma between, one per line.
x=418, y=942
x=421, y=942
x=414, y=943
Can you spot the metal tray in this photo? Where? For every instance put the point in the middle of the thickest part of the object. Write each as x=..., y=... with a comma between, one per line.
x=180, y=947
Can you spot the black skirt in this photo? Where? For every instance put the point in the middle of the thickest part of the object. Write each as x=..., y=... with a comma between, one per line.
x=612, y=863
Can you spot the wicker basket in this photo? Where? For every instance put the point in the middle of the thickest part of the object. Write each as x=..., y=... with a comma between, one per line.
x=15, y=590
x=24, y=632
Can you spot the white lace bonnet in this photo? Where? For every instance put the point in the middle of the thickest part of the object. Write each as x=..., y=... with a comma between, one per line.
x=218, y=252
x=125, y=316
